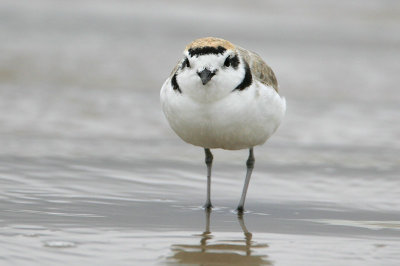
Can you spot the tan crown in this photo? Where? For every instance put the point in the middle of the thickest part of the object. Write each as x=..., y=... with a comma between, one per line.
x=211, y=42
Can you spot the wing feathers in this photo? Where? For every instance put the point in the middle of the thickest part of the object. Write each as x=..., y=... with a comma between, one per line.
x=261, y=71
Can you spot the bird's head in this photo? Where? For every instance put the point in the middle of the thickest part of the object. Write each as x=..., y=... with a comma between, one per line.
x=210, y=69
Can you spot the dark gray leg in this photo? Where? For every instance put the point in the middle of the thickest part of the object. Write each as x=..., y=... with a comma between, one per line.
x=250, y=166
x=209, y=159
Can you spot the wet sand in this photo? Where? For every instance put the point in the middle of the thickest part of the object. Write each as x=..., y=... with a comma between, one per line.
x=91, y=174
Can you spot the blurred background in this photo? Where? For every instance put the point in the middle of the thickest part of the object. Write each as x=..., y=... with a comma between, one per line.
x=77, y=74
x=81, y=123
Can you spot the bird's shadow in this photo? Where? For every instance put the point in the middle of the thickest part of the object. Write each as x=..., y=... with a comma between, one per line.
x=214, y=251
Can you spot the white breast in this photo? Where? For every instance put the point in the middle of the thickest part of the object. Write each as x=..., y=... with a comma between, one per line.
x=242, y=119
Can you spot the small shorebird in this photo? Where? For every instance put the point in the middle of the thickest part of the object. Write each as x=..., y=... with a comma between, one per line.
x=220, y=95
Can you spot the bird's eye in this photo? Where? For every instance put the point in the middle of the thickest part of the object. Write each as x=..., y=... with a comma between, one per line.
x=232, y=61
x=185, y=63
x=227, y=62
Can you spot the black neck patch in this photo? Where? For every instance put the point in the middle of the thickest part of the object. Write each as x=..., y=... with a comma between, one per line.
x=247, y=80
x=174, y=84
x=206, y=50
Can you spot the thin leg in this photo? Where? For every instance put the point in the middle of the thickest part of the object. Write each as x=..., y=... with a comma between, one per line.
x=250, y=166
x=209, y=159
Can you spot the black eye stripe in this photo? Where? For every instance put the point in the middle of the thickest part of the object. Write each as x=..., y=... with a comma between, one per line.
x=227, y=62
x=185, y=63
x=232, y=61
x=235, y=61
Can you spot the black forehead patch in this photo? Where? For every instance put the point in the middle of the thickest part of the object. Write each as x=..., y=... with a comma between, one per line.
x=206, y=50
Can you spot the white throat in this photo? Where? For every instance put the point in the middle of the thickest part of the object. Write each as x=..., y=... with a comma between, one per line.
x=221, y=84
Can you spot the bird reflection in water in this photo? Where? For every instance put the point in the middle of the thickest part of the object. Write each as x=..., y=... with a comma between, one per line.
x=211, y=251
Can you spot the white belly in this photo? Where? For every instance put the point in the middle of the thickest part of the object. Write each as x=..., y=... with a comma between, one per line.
x=241, y=120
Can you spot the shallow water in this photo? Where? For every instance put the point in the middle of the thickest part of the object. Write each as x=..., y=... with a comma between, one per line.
x=90, y=172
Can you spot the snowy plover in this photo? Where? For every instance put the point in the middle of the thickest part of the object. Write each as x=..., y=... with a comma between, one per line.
x=220, y=95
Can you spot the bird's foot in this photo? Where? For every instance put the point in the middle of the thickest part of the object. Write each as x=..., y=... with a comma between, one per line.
x=208, y=206
x=240, y=209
